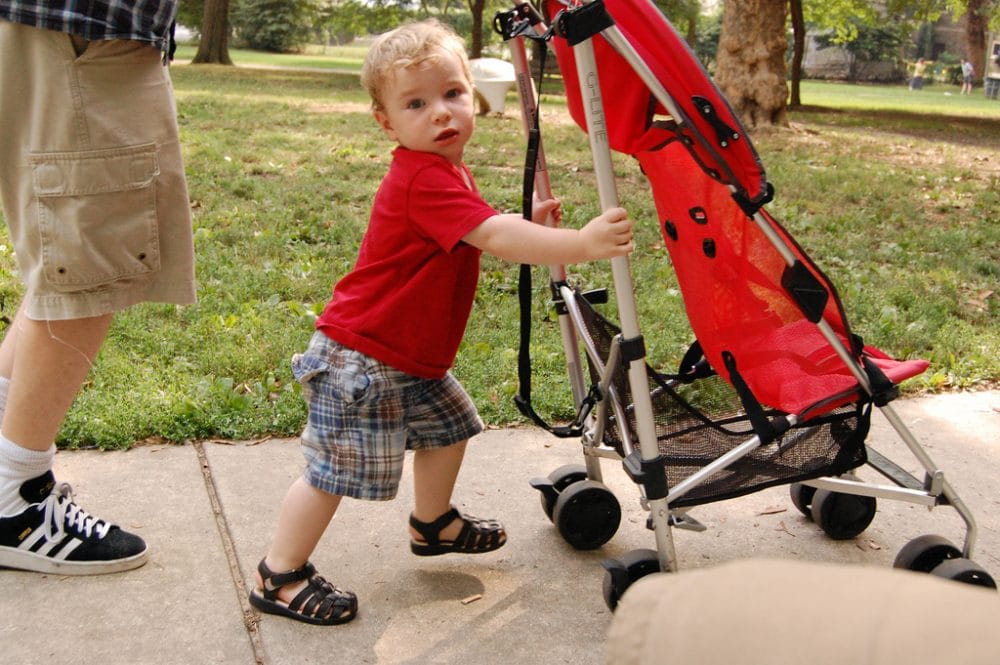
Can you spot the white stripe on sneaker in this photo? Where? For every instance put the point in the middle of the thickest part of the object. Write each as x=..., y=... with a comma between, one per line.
x=62, y=547
x=68, y=549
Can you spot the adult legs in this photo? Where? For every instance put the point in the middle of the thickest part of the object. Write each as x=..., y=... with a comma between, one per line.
x=107, y=227
x=46, y=362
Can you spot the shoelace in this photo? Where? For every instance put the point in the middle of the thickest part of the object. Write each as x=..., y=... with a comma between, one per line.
x=61, y=512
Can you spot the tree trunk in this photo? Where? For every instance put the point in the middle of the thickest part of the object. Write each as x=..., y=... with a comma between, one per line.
x=798, y=50
x=476, y=8
x=751, y=60
x=976, y=24
x=692, y=26
x=213, y=47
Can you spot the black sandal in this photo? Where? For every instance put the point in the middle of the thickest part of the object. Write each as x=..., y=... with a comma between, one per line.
x=477, y=535
x=318, y=603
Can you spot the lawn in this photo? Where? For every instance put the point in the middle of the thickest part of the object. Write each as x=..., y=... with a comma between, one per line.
x=937, y=99
x=899, y=204
x=347, y=58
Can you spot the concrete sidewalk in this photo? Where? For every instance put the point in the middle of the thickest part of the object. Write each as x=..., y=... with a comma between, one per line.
x=207, y=511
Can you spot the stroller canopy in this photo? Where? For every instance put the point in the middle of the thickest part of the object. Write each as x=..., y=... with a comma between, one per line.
x=637, y=122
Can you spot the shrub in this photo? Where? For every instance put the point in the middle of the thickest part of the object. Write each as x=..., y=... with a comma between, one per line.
x=279, y=26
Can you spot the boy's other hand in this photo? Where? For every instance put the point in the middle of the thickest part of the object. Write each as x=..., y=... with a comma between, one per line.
x=540, y=211
x=608, y=235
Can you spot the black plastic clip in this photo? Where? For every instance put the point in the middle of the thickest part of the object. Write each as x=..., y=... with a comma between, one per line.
x=583, y=22
x=632, y=349
x=517, y=22
x=883, y=389
x=750, y=207
x=806, y=290
x=648, y=473
x=723, y=132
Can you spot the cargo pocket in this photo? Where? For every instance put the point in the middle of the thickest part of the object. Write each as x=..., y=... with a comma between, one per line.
x=306, y=367
x=344, y=380
x=97, y=215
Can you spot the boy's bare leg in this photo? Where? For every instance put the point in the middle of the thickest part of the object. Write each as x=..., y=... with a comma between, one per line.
x=50, y=360
x=305, y=514
x=435, y=471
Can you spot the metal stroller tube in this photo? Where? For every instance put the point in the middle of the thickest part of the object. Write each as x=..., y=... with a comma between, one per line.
x=624, y=291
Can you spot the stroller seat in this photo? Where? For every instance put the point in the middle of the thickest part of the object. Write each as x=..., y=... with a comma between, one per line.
x=691, y=437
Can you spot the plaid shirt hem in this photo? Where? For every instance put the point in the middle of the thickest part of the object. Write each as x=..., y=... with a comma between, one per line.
x=140, y=20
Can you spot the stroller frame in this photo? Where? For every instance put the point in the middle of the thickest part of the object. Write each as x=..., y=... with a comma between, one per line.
x=642, y=458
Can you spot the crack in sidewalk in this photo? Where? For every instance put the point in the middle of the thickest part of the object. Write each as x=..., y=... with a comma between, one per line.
x=250, y=618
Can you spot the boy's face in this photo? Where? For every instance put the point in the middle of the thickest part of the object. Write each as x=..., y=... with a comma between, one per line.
x=429, y=108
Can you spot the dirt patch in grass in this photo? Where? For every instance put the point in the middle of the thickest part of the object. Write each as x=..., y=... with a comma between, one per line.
x=340, y=107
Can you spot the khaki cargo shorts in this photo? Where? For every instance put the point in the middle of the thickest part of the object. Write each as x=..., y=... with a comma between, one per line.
x=91, y=177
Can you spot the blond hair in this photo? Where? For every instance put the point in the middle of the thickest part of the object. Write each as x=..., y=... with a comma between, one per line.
x=409, y=45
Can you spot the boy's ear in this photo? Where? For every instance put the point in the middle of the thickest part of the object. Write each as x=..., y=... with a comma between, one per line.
x=383, y=121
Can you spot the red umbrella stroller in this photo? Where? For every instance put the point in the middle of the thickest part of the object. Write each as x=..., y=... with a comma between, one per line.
x=784, y=389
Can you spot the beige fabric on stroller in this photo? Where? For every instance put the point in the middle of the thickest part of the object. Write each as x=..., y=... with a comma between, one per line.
x=769, y=612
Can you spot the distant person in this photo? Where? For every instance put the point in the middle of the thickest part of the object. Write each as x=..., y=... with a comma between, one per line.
x=968, y=71
x=917, y=82
x=96, y=204
x=376, y=372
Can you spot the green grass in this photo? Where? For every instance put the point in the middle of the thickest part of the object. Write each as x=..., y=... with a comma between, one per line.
x=336, y=58
x=899, y=206
x=936, y=99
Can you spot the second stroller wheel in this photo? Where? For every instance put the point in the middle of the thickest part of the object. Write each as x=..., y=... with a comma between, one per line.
x=802, y=496
x=561, y=478
x=620, y=574
x=924, y=553
x=965, y=571
x=842, y=516
x=587, y=514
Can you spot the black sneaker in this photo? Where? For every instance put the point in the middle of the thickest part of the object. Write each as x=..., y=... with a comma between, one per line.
x=54, y=535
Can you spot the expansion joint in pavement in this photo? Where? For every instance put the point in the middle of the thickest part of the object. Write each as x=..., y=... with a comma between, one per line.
x=250, y=619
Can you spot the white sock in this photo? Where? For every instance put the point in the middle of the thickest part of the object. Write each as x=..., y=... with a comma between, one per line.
x=4, y=387
x=17, y=465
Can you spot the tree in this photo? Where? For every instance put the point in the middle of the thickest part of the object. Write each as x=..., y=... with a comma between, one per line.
x=279, y=26
x=213, y=47
x=340, y=21
x=871, y=43
x=978, y=15
x=866, y=30
x=477, y=8
x=845, y=18
x=684, y=15
x=798, y=49
x=706, y=45
x=751, y=60
x=190, y=14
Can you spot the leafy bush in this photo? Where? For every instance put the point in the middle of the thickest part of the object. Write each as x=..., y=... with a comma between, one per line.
x=279, y=26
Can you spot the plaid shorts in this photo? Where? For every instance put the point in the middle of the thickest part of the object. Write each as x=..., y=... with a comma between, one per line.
x=364, y=415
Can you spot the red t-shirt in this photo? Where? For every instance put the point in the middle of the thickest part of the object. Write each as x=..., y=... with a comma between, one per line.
x=408, y=298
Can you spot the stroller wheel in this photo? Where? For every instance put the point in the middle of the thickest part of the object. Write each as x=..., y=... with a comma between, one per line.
x=964, y=570
x=559, y=480
x=802, y=496
x=925, y=553
x=587, y=514
x=619, y=574
x=842, y=516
